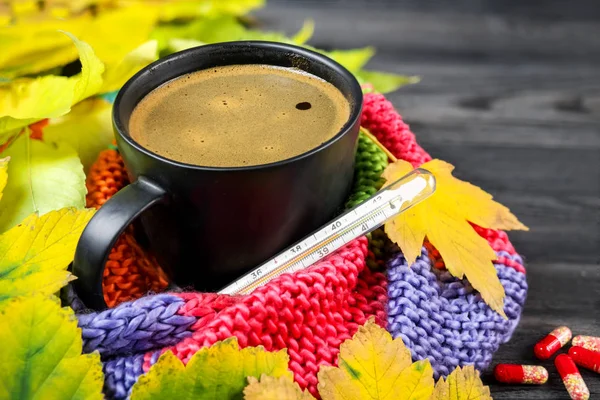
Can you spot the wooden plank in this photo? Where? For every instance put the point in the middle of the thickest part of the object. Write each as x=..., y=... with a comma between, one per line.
x=441, y=35
x=511, y=96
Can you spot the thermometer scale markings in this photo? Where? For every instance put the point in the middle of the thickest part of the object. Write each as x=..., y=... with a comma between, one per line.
x=358, y=221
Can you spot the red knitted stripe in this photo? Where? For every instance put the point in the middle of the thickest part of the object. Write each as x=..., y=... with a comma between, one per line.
x=310, y=312
x=384, y=122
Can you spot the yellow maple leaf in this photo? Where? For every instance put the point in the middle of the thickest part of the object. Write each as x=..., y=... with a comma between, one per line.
x=217, y=372
x=373, y=366
x=34, y=255
x=270, y=388
x=462, y=384
x=444, y=218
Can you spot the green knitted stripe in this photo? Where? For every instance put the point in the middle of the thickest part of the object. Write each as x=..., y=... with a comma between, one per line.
x=370, y=163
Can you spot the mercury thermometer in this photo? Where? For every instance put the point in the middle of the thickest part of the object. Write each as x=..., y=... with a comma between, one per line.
x=369, y=215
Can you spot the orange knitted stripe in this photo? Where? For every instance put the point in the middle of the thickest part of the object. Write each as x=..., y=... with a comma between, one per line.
x=129, y=272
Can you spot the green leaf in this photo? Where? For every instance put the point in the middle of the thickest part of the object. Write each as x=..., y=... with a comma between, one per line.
x=87, y=129
x=207, y=30
x=206, y=8
x=305, y=33
x=217, y=372
x=175, y=45
x=26, y=100
x=41, y=353
x=384, y=82
x=220, y=29
x=116, y=76
x=34, y=255
x=42, y=178
x=353, y=59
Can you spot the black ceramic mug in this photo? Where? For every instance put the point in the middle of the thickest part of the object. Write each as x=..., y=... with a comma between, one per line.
x=209, y=225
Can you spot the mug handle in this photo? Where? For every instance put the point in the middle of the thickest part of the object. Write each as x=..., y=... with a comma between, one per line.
x=102, y=232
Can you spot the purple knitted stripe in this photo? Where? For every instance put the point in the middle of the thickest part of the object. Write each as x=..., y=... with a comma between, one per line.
x=442, y=318
x=120, y=374
x=137, y=326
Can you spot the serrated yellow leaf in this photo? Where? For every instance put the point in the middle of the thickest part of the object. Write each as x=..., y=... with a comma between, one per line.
x=373, y=366
x=217, y=372
x=370, y=367
x=3, y=174
x=444, y=219
x=270, y=388
x=462, y=384
x=41, y=353
x=416, y=381
x=35, y=254
x=42, y=178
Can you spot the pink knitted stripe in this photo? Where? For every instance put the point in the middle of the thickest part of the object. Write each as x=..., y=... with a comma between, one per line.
x=384, y=122
x=310, y=312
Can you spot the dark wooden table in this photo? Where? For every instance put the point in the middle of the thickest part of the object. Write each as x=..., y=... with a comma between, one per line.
x=510, y=94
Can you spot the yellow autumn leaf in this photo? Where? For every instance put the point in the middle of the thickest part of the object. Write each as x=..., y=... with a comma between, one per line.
x=462, y=384
x=444, y=219
x=118, y=74
x=270, y=388
x=87, y=129
x=29, y=47
x=3, y=174
x=26, y=100
x=34, y=255
x=41, y=353
x=217, y=372
x=373, y=366
x=114, y=34
x=43, y=177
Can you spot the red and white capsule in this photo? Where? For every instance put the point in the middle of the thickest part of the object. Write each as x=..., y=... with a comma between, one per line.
x=545, y=348
x=585, y=358
x=521, y=374
x=587, y=342
x=571, y=377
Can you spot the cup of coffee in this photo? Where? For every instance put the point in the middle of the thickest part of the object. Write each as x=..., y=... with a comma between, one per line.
x=235, y=151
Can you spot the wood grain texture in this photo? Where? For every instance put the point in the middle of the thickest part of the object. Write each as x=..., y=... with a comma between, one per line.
x=510, y=94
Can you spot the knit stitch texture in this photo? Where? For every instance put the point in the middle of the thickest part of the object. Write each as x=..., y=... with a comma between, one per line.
x=310, y=312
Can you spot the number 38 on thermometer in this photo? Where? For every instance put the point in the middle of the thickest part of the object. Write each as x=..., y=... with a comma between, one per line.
x=362, y=219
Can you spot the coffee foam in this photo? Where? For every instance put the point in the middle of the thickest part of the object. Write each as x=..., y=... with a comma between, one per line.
x=239, y=115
